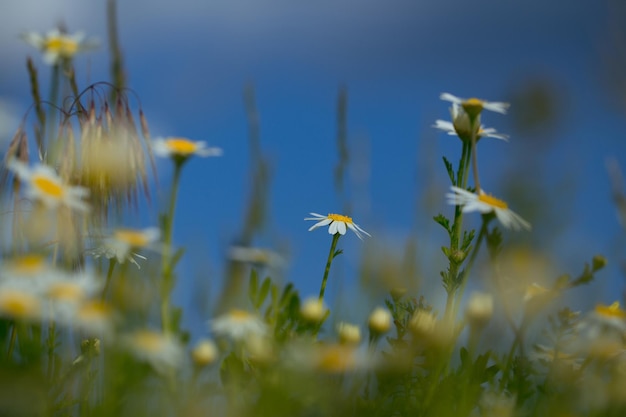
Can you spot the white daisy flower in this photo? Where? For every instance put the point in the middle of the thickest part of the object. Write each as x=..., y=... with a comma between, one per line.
x=20, y=305
x=65, y=294
x=92, y=317
x=238, y=325
x=257, y=256
x=44, y=184
x=177, y=147
x=475, y=105
x=160, y=350
x=337, y=223
x=122, y=243
x=57, y=46
x=485, y=203
x=29, y=272
x=461, y=126
x=601, y=332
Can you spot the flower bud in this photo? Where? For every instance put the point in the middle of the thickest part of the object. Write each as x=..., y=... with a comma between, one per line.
x=379, y=321
x=349, y=334
x=205, y=353
x=479, y=309
x=313, y=310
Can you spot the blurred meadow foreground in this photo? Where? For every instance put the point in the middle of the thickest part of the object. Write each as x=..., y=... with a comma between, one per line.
x=90, y=326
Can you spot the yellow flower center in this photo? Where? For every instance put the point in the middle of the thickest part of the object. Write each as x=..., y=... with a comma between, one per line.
x=62, y=45
x=336, y=359
x=66, y=291
x=492, y=201
x=27, y=264
x=48, y=186
x=182, y=146
x=19, y=304
x=611, y=311
x=94, y=310
x=239, y=315
x=473, y=107
x=340, y=218
x=134, y=238
x=148, y=340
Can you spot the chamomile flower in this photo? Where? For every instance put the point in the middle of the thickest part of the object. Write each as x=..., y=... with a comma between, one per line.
x=177, y=147
x=460, y=126
x=123, y=242
x=57, y=46
x=473, y=106
x=337, y=223
x=160, y=350
x=92, y=317
x=20, y=305
x=485, y=203
x=44, y=184
x=238, y=325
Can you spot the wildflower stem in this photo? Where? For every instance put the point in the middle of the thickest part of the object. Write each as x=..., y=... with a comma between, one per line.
x=54, y=96
x=331, y=256
x=108, y=279
x=474, y=130
x=168, y=226
x=12, y=341
x=455, y=237
x=470, y=264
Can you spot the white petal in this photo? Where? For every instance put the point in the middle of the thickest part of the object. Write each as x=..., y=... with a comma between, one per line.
x=320, y=224
x=496, y=106
x=341, y=226
x=450, y=97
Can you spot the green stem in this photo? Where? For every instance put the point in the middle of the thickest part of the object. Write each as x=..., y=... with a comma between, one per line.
x=12, y=341
x=52, y=107
x=168, y=225
x=109, y=276
x=470, y=264
x=474, y=130
x=455, y=237
x=331, y=256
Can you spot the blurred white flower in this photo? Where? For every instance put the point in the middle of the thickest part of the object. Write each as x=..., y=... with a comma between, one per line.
x=57, y=46
x=474, y=104
x=177, y=147
x=45, y=185
x=123, y=242
x=161, y=351
x=238, y=325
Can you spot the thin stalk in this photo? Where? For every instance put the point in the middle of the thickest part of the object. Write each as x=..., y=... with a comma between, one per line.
x=54, y=97
x=470, y=264
x=331, y=256
x=474, y=130
x=167, y=266
x=109, y=277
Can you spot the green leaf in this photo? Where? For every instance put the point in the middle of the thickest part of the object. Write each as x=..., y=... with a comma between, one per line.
x=253, y=286
x=265, y=288
x=443, y=221
x=449, y=169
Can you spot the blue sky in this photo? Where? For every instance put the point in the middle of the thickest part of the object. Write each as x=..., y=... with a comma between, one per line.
x=189, y=61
